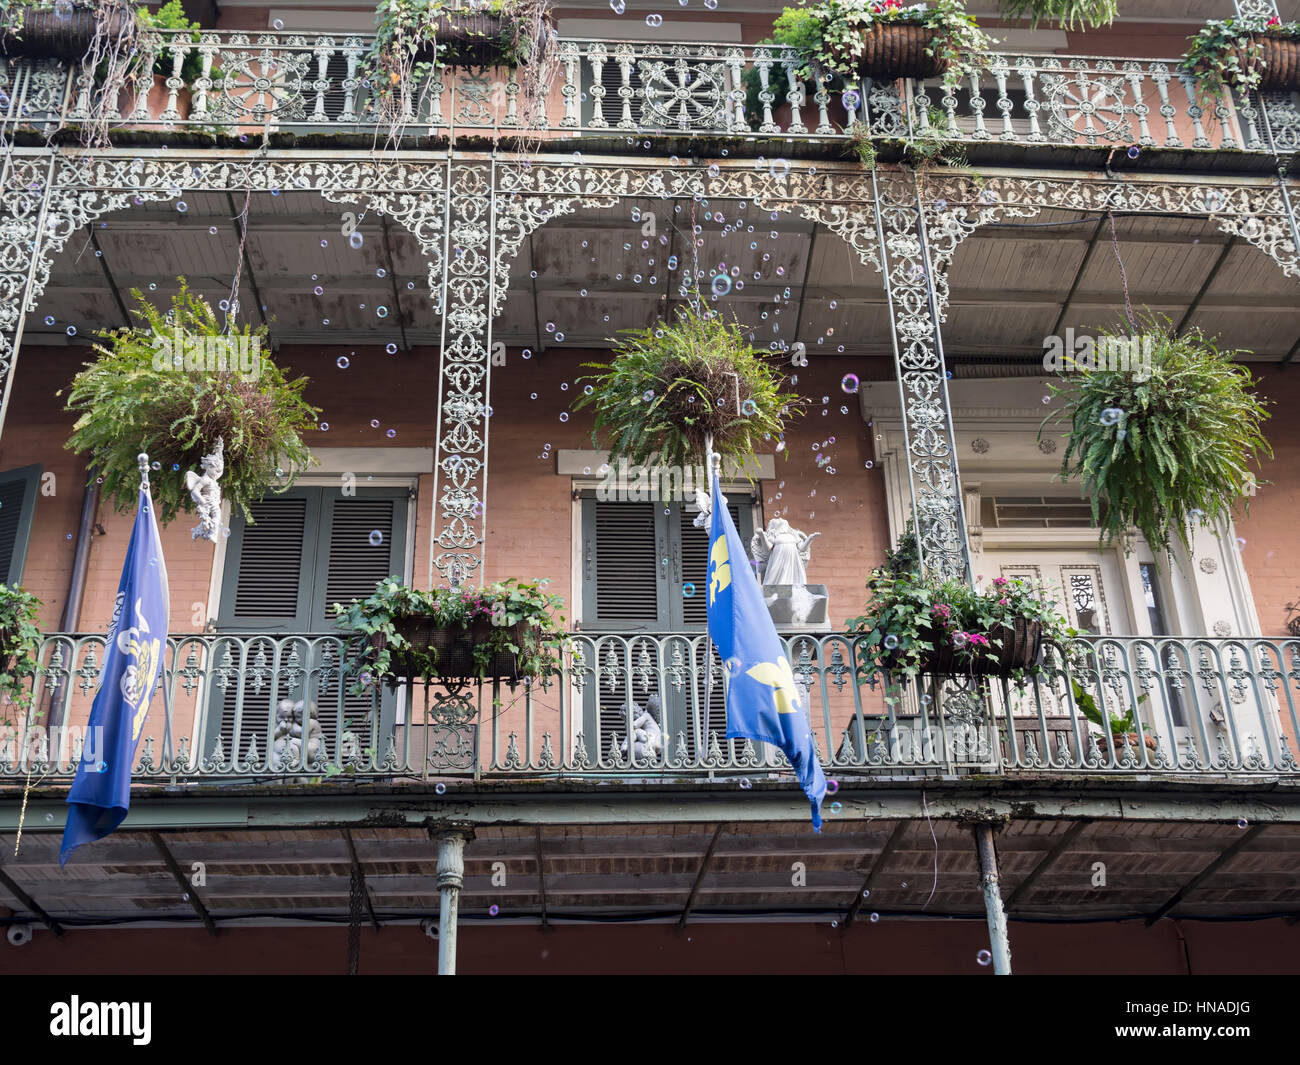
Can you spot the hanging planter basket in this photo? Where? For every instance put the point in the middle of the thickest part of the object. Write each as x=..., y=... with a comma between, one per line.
x=8, y=652
x=452, y=650
x=470, y=39
x=897, y=50
x=1278, y=62
x=1120, y=738
x=1013, y=647
x=45, y=35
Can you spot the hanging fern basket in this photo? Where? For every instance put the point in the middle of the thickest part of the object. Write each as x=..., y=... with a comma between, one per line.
x=470, y=39
x=893, y=50
x=451, y=650
x=1278, y=62
x=43, y=34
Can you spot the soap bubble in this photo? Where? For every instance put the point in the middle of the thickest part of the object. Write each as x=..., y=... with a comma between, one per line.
x=849, y=383
x=959, y=640
x=875, y=917
x=324, y=243
x=745, y=784
x=749, y=407
x=376, y=537
x=836, y=807
x=851, y=100
x=493, y=910
x=891, y=641
x=1242, y=822
x=391, y=348
x=71, y=330
x=212, y=230
x=654, y=20
x=324, y=427
x=381, y=311
x=564, y=415
x=984, y=957
x=1134, y=152
x=440, y=788
x=343, y=362
x=391, y=433
x=1047, y=399
x=1111, y=415
x=49, y=319
x=688, y=589
x=832, y=786
x=278, y=24
x=648, y=395
x=721, y=285
x=866, y=893
x=182, y=206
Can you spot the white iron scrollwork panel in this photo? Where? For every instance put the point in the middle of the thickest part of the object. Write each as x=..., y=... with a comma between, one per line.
x=927, y=425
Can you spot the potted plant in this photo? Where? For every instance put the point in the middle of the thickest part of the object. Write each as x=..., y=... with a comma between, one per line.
x=174, y=386
x=20, y=645
x=1122, y=729
x=504, y=630
x=675, y=388
x=169, y=17
x=924, y=625
x=1256, y=52
x=882, y=39
x=415, y=37
x=1162, y=444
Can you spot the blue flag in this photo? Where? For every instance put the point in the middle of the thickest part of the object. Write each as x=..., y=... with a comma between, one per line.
x=133, y=661
x=763, y=701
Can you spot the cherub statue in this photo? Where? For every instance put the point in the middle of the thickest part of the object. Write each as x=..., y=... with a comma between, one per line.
x=286, y=743
x=782, y=552
x=647, y=736
x=704, y=519
x=206, y=494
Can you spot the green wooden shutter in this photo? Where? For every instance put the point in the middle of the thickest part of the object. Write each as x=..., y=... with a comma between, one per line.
x=17, y=508
x=309, y=549
x=636, y=561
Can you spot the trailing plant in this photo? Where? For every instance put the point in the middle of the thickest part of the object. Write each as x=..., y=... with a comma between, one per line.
x=828, y=35
x=911, y=617
x=674, y=386
x=1157, y=449
x=1226, y=54
x=398, y=69
x=20, y=645
x=502, y=606
x=146, y=393
x=1068, y=14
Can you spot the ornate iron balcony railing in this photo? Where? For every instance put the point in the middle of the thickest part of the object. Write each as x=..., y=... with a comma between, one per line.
x=250, y=83
x=276, y=707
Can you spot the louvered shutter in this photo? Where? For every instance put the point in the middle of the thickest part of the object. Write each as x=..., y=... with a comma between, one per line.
x=17, y=507
x=637, y=559
x=308, y=549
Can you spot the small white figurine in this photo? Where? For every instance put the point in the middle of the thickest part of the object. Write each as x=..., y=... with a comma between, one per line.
x=647, y=736
x=206, y=494
x=782, y=552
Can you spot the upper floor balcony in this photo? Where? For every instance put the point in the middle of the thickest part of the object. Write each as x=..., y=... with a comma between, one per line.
x=232, y=88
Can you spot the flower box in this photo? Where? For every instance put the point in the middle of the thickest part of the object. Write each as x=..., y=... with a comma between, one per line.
x=899, y=50
x=452, y=649
x=47, y=35
x=1015, y=646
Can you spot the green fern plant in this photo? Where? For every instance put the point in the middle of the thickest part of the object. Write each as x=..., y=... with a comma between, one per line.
x=1068, y=14
x=141, y=396
x=20, y=644
x=675, y=384
x=1158, y=449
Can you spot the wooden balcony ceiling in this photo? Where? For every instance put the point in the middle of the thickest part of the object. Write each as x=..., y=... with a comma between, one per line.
x=1011, y=284
x=1050, y=869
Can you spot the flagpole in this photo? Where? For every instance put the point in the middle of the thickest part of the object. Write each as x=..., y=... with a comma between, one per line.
x=146, y=488
x=709, y=461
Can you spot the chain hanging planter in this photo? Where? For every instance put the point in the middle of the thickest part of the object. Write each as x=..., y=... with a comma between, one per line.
x=1245, y=54
x=1278, y=61
x=471, y=38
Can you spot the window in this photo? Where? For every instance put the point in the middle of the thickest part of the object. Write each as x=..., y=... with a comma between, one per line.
x=644, y=570
x=304, y=551
x=17, y=508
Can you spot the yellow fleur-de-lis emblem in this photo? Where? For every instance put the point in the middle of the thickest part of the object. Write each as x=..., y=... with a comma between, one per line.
x=720, y=563
x=780, y=678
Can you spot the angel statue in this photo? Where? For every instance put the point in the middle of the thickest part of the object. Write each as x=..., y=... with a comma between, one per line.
x=206, y=494
x=782, y=552
x=647, y=736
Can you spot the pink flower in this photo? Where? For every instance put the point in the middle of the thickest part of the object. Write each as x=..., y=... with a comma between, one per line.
x=999, y=581
x=1275, y=21
x=1002, y=602
x=978, y=640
